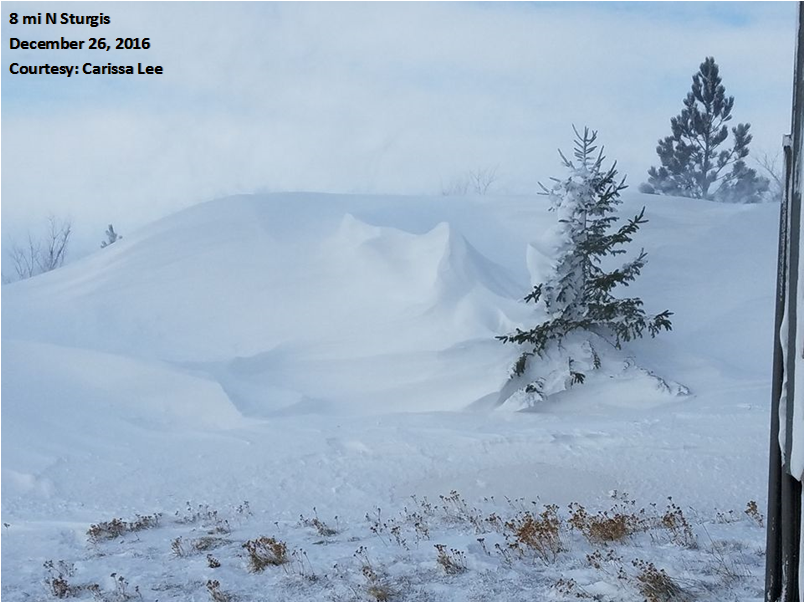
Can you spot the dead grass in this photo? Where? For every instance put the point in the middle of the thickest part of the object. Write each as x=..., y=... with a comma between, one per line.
x=608, y=526
x=264, y=552
x=451, y=560
x=322, y=528
x=752, y=511
x=182, y=548
x=536, y=533
x=60, y=587
x=570, y=588
x=208, y=517
x=121, y=592
x=216, y=594
x=656, y=585
x=56, y=578
x=679, y=527
x=178, y=548
x=117, y=527
x=522, y=531
x=208, y=542
x=377, y=585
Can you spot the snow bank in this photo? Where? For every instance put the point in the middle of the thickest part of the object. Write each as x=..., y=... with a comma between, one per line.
x=369, y=301
x=66, y=402
x=318, y=350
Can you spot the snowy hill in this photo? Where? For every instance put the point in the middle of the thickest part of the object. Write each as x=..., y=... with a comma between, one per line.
x=309, y=350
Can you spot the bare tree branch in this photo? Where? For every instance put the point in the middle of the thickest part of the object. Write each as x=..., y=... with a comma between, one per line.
x=477, y=182
x=41, y=255
x=773, y=167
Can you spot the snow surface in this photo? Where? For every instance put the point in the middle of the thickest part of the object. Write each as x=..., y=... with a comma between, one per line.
x=306, y=351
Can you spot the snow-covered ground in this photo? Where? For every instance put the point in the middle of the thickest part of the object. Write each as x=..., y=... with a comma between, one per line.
x=304, y=351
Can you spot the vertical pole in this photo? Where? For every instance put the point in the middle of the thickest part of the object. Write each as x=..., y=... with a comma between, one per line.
x=773, y=566
x=784, y=488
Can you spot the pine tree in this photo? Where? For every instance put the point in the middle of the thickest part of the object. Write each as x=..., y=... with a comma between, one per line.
x=692, y=165
x=578, y=294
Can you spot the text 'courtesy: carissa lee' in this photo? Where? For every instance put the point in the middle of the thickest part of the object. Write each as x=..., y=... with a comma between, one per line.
x=86, y=68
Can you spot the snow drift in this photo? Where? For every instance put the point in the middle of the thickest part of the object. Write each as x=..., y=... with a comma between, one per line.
x=353, y=303
x=313, y=350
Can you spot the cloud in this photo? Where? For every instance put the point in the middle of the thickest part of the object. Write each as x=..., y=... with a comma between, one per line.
x=365, y=97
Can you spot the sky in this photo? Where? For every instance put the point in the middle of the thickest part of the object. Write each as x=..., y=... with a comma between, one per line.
x=399, y=98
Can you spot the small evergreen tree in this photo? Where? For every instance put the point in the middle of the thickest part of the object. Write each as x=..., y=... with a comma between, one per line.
x=692, y=165
x=111, y=237
x=578, y=294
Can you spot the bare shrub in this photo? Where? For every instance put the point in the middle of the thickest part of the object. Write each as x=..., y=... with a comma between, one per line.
x=56, y=578
x=418, y=517
x=569, y=587
x=457, y=510
x=24, y=259
x=477, y=181
x=323, y=529
x=209, y=542
x=377, y=586
x=142, y=522
x=213, y=562
x=117, y=527
x=726, y=517
x=202, y=544
x=208, y=517
x=598, y=559
x=752, y=510
x=540, y=533
x=451, y=560
x=54, y=244
x=42, y=253
x=391, y=530
x=216, y=594
x=656, y=585
x=59, y=586
x=301, y=565
x=107, y=530
x=773, y=168
x=177, y=546
x=264, y=552
x=680, y=529
x=121, y=592
x=607, y=526
x=728, y=563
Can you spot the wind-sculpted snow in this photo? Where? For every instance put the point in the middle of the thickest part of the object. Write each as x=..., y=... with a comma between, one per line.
x=228, y=281
x=359, y=293
x=94, y=404
x=338, y=351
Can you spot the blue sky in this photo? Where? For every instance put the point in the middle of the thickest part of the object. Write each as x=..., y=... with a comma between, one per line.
x=362, y=97
x=739, y=14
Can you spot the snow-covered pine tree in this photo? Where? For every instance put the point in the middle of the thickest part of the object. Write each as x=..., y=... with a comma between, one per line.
x=111, y=237
x=577, y=297
x=692, y=165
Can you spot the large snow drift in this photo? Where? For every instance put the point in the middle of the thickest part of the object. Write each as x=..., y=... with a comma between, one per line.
x=304, y=350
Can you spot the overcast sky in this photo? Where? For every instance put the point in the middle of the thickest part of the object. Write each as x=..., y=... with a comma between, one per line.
x=362, y=97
